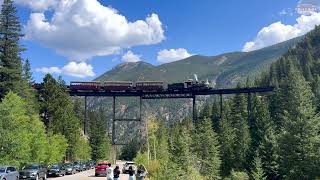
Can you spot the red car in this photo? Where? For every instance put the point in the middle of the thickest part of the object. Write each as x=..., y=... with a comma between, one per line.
x=101, y=169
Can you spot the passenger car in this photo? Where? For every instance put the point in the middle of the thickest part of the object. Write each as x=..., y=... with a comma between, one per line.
x=69, y=168
x=101, y=169
x=33, y=171
x=8, y=173
x=56, y=170
x=78, y=166
x=126, y=166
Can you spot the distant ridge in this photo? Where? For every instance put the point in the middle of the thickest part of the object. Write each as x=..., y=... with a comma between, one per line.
x=224, y=70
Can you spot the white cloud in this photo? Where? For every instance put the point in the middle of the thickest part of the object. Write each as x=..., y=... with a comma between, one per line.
x=74, y=69
x=131, y=57
x=279, y=32
x=50, y=70
x=166, y=56
x=81, y=29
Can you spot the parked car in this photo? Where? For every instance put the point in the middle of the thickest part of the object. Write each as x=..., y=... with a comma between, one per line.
x=56, y=170
x=78, y=166
x=101, y=169
x=92, y=164
x=33, y=171
x=125, y=169
x=70, y=168
x=8, y=173
x=84, y=166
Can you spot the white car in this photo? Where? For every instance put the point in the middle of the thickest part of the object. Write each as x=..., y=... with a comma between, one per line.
x=8, y=173
x=125, y=169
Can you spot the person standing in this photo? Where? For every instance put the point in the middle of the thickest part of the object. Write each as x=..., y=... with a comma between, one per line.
x=141, y=172
x=116, y=173
x=109, y=172
x=131, y=173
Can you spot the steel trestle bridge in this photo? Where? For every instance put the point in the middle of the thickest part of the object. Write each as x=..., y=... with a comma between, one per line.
x=165, y=94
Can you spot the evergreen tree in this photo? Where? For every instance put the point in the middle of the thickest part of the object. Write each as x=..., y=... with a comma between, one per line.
x=99, y=141
x=205, y=112
x=215, y=116
x=58, y=113
x=227, y=140
x=258, y=173
x=10, y=61
x=268, y=151
x=207, y=149
x=238, y=117
x=26, y=72
x=299, y=140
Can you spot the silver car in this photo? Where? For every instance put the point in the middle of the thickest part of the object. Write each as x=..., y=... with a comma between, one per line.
x=8, y=173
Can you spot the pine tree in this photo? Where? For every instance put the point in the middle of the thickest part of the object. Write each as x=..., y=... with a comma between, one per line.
x=179, y=148
x=205, y=112
x=238, y=117
x=26, y=72
x=268, y=151
x=99, y=141
x=215, y=117
x=261, y=124
x=299, y=140
x=207, y=149
x=10, y=61
x=258, y=173
x=58, y=113
x=227, y=139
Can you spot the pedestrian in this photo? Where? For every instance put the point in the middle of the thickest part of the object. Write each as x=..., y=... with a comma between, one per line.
x=109, y=172
x=116, y=173
x=141, y=172
x=131, y=173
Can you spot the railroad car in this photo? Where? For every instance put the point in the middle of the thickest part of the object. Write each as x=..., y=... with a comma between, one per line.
x=177, y=87
x=85, y=86
x=149, y=86
x=118, y=86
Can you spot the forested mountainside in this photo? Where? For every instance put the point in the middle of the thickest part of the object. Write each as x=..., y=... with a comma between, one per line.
x=277, y=138
x=224, y=70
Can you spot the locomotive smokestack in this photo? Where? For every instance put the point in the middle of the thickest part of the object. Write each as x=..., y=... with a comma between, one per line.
x=195, y=77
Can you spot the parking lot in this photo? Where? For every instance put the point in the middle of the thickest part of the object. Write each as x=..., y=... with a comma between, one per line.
x=89, y=175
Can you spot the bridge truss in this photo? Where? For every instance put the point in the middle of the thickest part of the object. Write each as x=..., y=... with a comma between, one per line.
x=164, y=95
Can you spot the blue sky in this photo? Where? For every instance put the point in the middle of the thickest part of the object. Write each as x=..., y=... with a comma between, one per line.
x=188, y=27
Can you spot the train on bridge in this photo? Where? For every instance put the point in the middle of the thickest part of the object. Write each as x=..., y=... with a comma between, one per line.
x=140, y=86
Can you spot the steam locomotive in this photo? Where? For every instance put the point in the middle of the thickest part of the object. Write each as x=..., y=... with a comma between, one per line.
x=140, y=86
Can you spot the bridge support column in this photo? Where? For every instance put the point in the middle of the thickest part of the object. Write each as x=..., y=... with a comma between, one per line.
x=249, y=109
x=194, y=110
x=114, y=149
x=221, y=107
x=85, y=121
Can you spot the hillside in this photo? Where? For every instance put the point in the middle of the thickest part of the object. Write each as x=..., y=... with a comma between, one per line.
x=224, y=70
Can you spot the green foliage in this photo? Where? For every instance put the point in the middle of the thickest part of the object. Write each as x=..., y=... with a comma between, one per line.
x=57, y=148
x=238, y=175
x=141, y=158
x=15, y=134
x=82, y=150
x=130, y=150
x=258, y=173
x=39, y=140
x=299, y=140
x=59, y=116
x=10, y=60
x=207, y=149
x=226, y=138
